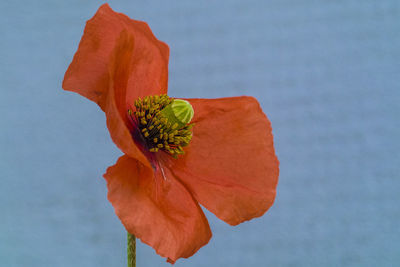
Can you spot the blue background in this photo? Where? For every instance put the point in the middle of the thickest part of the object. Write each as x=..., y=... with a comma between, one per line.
x=325, y=72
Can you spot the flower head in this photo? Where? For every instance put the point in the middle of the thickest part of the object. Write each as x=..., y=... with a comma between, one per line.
x=177, y=153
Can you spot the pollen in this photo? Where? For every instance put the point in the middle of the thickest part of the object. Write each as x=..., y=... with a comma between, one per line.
x=163, y=126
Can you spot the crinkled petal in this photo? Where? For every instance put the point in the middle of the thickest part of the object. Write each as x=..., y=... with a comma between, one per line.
x=117, y=121
x=118, y=60
x=88, y=73
x=230, y=165
x=160, y=211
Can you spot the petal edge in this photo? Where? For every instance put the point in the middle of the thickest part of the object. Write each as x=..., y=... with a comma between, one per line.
x=160, y=212
x=230, y=166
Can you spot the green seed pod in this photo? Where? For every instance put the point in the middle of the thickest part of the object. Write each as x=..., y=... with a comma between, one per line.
x=179, y=111
x=183, y=110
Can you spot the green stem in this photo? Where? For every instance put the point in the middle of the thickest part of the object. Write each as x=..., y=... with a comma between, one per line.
x=131, y=250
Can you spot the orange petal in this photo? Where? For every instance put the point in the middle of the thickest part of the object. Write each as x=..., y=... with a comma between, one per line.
x=114, y=106
x=118, y=60
x=230, y=165
x=88, y=73
x=159, y=211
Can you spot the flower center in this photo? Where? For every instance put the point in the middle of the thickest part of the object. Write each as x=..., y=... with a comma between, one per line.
x=164, y=123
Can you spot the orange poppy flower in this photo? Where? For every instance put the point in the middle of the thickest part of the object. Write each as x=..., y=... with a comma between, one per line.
x=229, y=165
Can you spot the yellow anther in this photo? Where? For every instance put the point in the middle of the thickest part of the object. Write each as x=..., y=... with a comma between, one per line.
x=159, y=131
